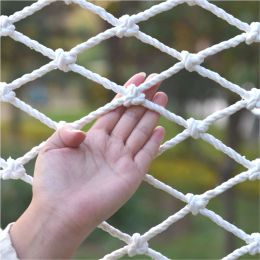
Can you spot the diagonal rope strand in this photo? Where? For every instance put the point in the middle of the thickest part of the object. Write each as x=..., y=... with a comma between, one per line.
x=127, y=26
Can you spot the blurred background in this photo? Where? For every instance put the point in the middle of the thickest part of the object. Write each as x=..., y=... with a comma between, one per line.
x=192, y=166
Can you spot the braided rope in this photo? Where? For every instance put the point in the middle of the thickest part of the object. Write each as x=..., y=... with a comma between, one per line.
x=127, y=26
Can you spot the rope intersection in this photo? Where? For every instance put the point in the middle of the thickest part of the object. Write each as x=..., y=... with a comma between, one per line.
x=127, y=26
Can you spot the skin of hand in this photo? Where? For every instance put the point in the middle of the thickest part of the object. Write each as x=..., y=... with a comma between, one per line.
x=81, y=179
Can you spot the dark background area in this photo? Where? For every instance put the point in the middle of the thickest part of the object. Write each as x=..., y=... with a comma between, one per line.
x=192, y=166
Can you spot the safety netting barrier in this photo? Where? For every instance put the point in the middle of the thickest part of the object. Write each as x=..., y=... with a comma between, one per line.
x=127, y=26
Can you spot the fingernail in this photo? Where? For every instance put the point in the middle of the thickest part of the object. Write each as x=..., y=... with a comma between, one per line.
x=160, y=99
x=159, y=133
x=156, y=98
x=75, y=131
x=151, y=76
x=142, y=73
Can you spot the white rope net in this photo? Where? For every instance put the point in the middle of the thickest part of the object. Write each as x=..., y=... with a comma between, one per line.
x=127, y=26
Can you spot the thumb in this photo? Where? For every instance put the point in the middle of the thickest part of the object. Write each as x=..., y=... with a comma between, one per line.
x=65, y=137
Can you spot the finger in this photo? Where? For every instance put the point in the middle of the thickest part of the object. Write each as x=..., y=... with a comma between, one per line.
x=108, y=121
x=149, y=93
x=143, y=130
x=137, y=79
x=65, y=137
x=132, y=115
x=145, y=156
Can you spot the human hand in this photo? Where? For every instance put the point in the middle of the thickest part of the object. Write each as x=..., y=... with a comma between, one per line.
x=82, y=178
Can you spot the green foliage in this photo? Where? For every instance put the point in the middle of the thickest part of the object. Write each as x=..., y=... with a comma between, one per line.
x=192, y=166
x=184, y=173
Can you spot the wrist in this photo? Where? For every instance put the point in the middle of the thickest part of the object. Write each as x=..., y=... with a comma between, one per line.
x=42, y=232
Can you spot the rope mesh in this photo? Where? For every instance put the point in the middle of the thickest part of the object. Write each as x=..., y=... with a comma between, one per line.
x=127, y=26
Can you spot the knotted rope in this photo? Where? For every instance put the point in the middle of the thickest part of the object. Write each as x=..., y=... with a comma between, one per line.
x=127, y=26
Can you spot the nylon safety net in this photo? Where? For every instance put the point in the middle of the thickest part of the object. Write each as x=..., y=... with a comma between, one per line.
x=127, y=26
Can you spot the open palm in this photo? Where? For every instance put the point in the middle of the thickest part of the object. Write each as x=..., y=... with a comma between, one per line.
x=89, y=176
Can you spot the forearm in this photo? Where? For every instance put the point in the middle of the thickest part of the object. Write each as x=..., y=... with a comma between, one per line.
x=39, y=233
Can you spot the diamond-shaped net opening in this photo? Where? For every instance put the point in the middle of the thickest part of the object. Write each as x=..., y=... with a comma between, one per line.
x=127, y=26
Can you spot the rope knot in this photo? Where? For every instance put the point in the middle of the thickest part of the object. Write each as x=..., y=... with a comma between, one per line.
x=63, y=59
x=126, y=27
x=253, y=99
x=196, y=203
x=195, y=128
x=11, y=169
x=5, y=93
x=68, y=2
x=254, y=173
x=191, y=2
x=190, y=60
x=254, y=242
x=7, y=28
x=253, y=35
x=133, y=96
x=137, y=246
x=60, y=124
